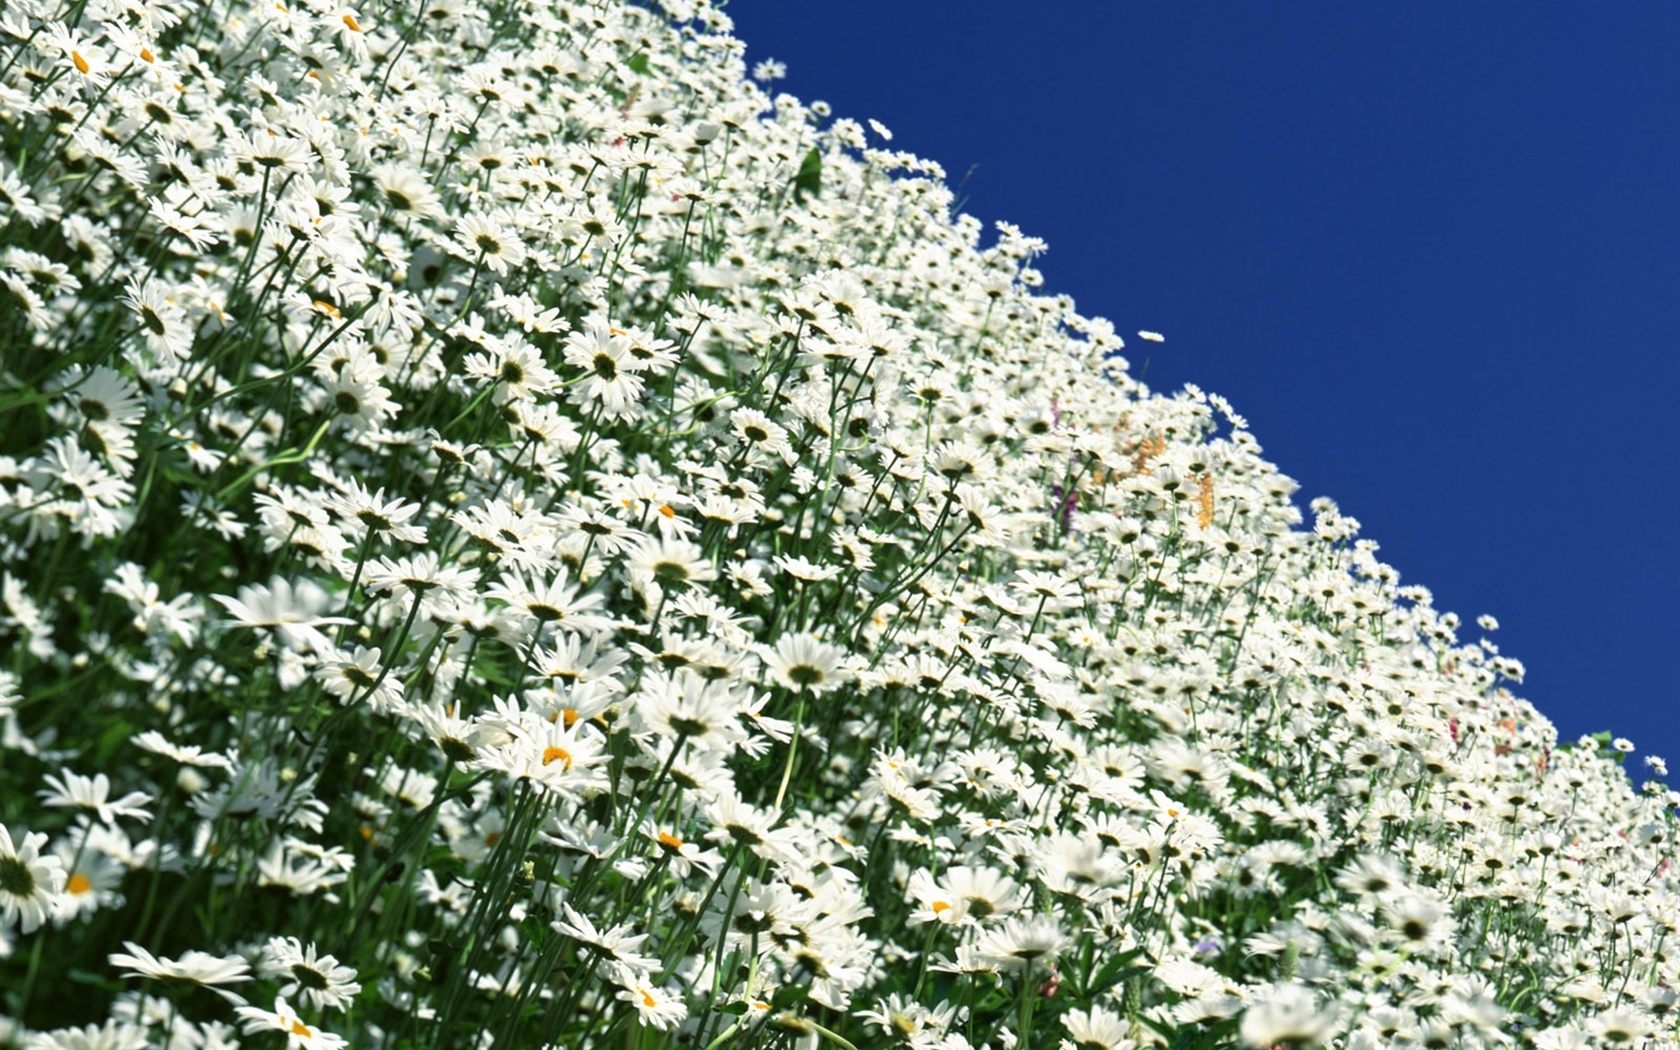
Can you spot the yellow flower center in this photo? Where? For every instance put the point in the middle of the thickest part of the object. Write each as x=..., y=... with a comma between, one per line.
x=557, y=754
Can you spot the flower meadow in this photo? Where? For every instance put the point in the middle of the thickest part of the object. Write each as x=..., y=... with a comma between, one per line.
x=513, y=535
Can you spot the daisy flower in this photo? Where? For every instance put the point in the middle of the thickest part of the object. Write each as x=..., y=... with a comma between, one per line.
x=1620, y=1026
x=421, y=574
x=458, y=738
x=72, y=790
x=617, y=943
x=558, y=757
x=688, y=707
x=268, y=150
x=609, y=379
x=983, y=891
x=656, y=1007
x=555, y=602
x=324, y=983
x=349, y=31
x=1420, y=923
x=482, y=238
x=1024, y=941
x=93, y=881
x=736, y=821
x=107, y=397
x=804, y=661
x=88, y=63
x=299, y=1036
x=1287, y=1015
x=1097, y=1029
x=359, y=400
x=186, y=754
x=29, y=882
x=671, y=562
x=88, y=491
x=354, y=676
x=407, y=192
x=293, y=611
x=757, y=431
x=163, y=322
x=195, y=967
x=362, y=512
x=684, y=855
x=515, y=366
x=801, y=568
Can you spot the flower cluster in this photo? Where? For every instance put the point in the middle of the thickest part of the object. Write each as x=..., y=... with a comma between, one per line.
x=511, y=535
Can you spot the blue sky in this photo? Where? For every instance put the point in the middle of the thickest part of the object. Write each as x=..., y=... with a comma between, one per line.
x=1431, y=250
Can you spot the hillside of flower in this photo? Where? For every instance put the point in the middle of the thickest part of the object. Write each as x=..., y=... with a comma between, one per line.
x=512, y=535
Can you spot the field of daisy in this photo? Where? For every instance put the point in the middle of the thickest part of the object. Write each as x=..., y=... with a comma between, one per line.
x=513, y=536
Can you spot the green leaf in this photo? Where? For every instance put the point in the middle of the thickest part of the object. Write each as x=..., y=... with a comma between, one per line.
x=115, y=736
x=809, y=179
x=96, y=979
x=639, y=62
x=443, y=959
x=734, y=1009
x=790, y=995
x=1205, y=1037
x=1112, y=973
x=1604, y=741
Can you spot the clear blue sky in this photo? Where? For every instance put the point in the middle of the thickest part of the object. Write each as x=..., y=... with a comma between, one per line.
x=1431, y=250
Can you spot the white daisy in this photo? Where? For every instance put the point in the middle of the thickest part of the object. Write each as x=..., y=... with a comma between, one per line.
x=163, y=322
x=324, y=983
x=609, y=382
x=299, y=1035
x=194, y=967
x=804, y=661
x=29, y=882
x=74, y=791
x=482, y=238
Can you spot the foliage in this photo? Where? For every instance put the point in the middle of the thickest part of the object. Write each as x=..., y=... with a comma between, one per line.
x=512, y=535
